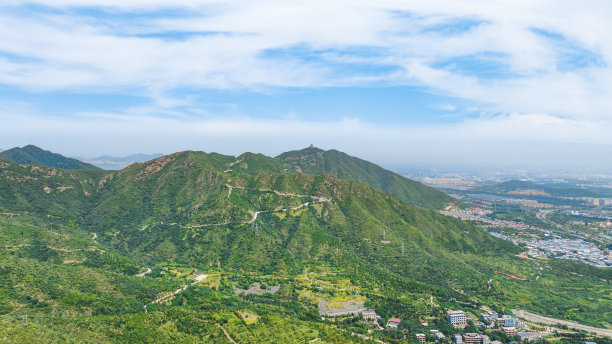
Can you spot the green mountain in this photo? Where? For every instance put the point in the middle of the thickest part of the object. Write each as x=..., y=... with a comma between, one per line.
x=311, y=161
x=33, y=155
x=82, y=253
x=316, y=161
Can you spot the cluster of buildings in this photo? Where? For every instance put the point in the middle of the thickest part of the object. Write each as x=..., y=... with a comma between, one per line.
x=519, y=201
x=480, y=215
x=471, y=338
x=473, y=214
x=370, y=316
x=507, y=323
x=449, y=182
x=574, y=249
x=437, y=335
x=592, y=200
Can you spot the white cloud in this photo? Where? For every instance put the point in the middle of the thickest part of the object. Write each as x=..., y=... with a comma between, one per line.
x=91, y=52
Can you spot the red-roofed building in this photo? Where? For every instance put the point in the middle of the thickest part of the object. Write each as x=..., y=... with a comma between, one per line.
x=394, y=322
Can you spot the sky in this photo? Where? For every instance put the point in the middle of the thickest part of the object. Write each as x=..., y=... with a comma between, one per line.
x=402, y=83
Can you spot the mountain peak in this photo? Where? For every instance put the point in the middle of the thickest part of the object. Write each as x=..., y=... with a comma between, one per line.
x=294, y=154
x=315, y=161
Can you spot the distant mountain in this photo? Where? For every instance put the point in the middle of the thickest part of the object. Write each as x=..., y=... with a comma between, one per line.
x=33, y=155
x=117, y=163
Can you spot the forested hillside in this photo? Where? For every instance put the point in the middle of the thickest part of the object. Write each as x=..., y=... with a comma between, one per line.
x=316, y=161
x=83, y=252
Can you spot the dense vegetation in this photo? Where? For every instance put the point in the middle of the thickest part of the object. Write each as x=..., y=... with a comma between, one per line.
x=73, y=242
x=315, y=161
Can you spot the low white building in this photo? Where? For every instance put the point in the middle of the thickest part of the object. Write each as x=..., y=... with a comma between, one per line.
x=368, y=315
x=456, y=318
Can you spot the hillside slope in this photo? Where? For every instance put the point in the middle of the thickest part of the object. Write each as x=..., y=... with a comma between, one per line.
x=184, y=209
x=316, y=161
x=33, y=155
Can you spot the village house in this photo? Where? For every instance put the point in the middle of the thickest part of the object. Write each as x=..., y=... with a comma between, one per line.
x=438, y=335
x=510, y=330
x=394, y=322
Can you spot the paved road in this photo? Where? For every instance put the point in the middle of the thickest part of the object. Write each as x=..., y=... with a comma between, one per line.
x=543, y=213
x=552, y=321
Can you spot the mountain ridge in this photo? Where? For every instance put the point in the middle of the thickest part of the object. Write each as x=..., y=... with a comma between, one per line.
x=311, y=160
x=245, y=219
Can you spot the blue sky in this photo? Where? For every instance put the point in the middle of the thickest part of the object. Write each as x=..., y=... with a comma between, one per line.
x=396, y=82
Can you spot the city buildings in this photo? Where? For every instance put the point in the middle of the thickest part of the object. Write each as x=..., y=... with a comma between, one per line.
x=573, y=249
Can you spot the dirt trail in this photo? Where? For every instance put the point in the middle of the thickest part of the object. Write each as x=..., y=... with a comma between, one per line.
x=226, y=334
x=255, y=214
x=511, y=276
x=169, y=296
x=144, y=273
